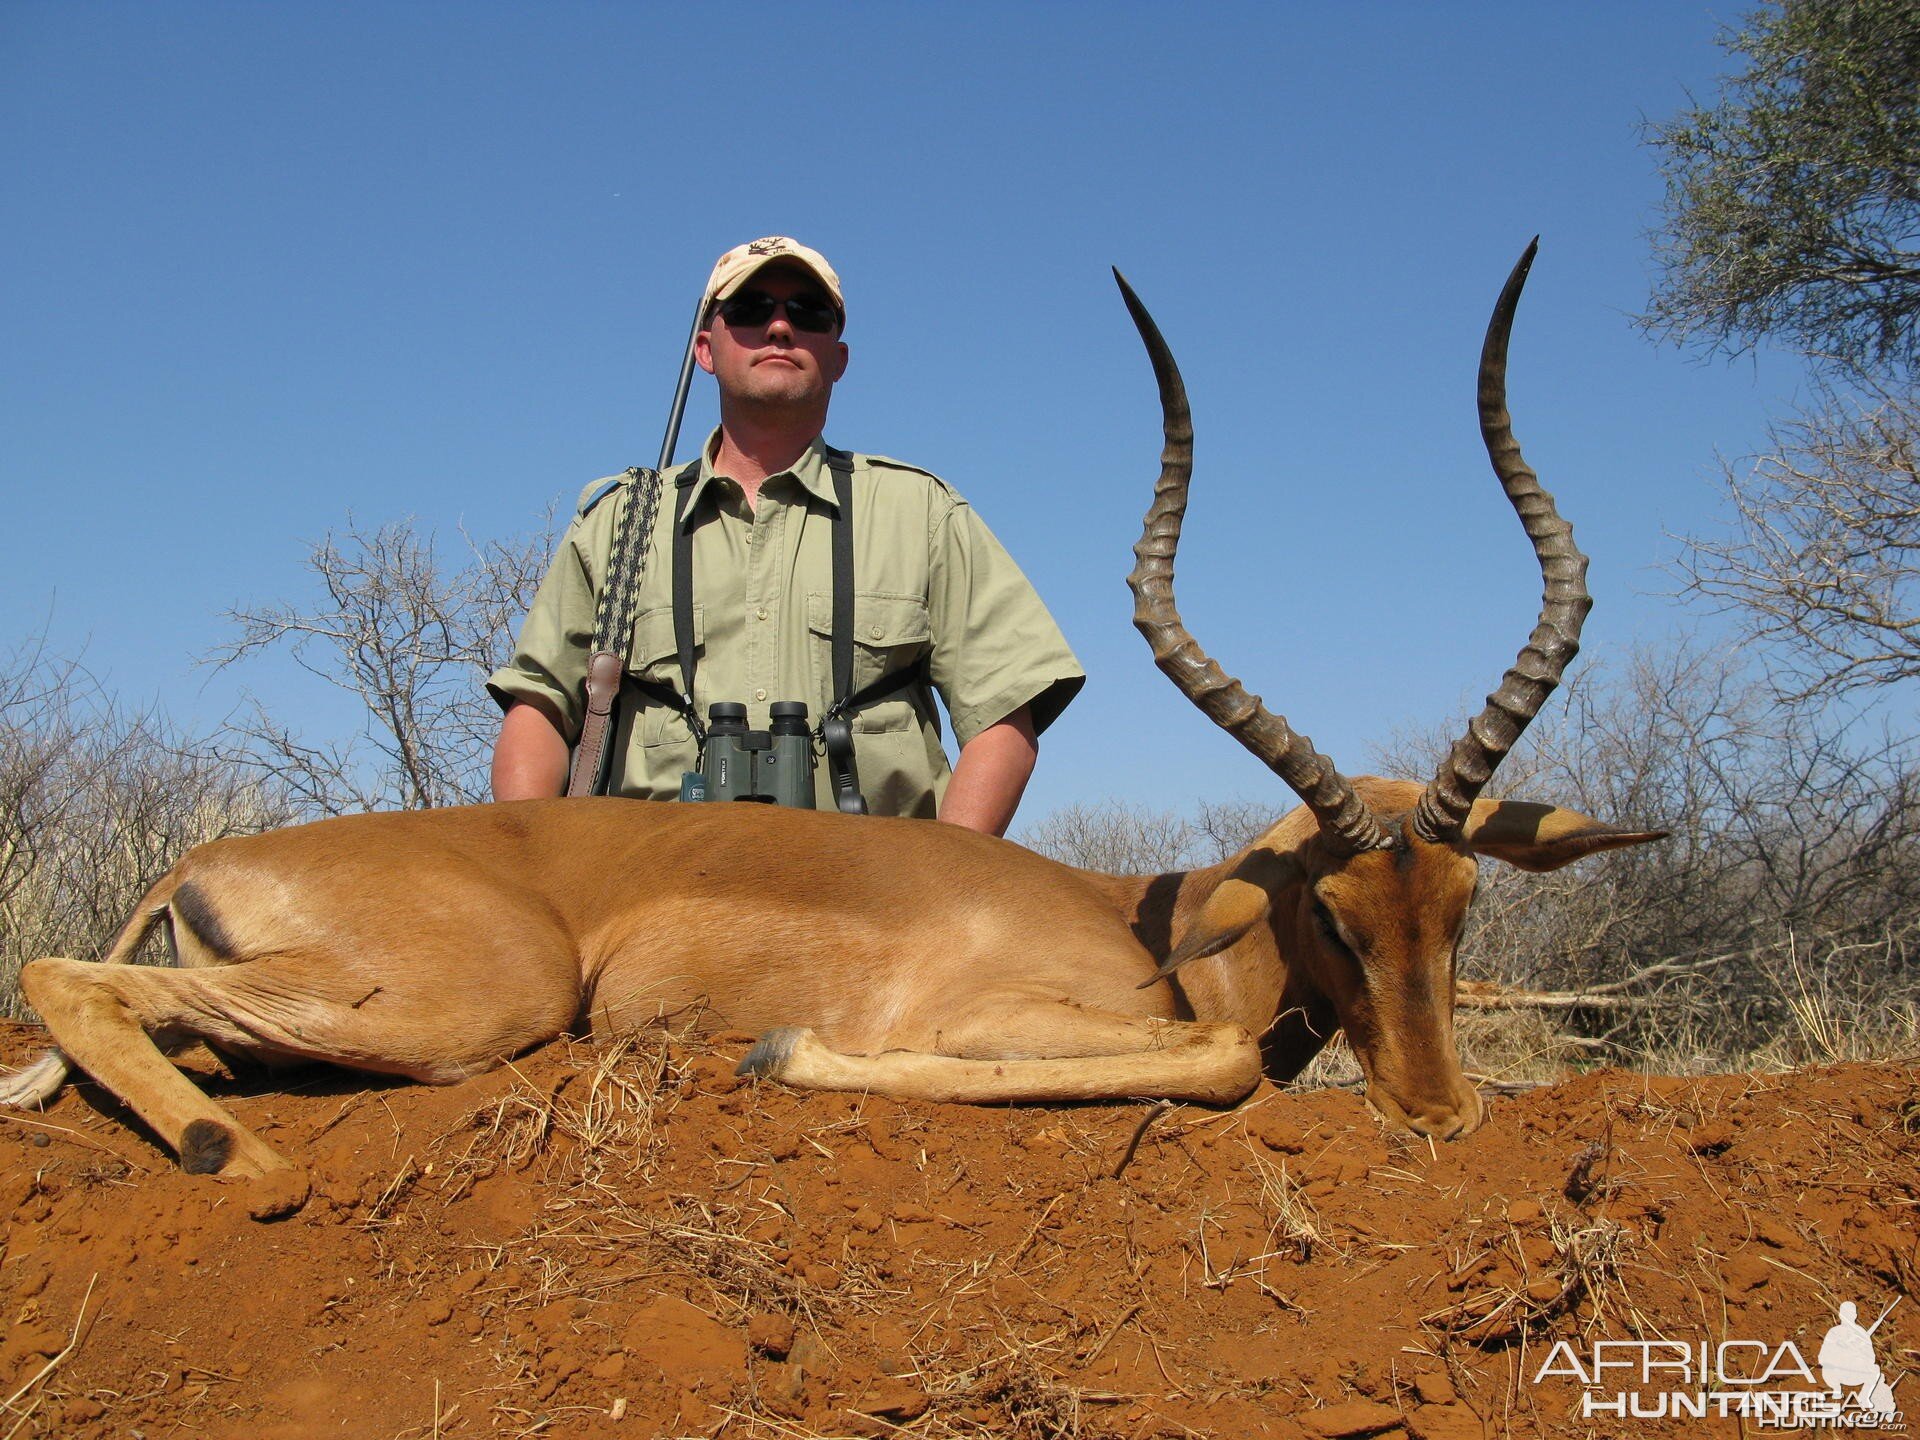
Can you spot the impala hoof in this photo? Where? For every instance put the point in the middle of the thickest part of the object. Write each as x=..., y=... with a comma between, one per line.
x=229, y=1151
x=205, y=1148
x=771, y=1052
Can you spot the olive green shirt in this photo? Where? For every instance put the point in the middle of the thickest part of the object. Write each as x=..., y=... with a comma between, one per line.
x=930, y=581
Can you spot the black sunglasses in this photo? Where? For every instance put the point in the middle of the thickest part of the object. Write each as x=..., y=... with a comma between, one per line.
x=812, y=313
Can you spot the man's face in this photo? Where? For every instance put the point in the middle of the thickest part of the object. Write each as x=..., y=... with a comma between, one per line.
x=772, y=364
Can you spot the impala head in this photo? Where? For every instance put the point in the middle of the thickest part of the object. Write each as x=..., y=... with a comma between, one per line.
x=1365, y=890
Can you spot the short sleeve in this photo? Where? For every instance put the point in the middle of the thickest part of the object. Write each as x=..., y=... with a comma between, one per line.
x=995, y=646
x=549, y=660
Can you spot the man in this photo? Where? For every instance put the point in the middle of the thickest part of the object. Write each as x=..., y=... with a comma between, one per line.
x=938, y=603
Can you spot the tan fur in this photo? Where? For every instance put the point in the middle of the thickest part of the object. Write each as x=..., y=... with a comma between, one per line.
x=907, y=958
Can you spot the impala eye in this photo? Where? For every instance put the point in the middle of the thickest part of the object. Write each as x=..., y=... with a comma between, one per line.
x=1466, y=914
x=1329, y=928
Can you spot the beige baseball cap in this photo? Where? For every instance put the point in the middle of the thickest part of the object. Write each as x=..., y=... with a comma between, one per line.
x=732, y=270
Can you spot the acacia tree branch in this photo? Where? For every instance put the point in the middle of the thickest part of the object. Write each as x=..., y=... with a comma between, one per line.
x=1793, y=200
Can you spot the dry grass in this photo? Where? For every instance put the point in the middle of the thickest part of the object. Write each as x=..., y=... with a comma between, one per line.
x=1294, y=1229
x=1516, y=1282
x=96, y=802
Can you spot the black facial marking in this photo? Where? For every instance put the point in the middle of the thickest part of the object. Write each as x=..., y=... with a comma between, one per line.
x=1153, y=928
x=1329, y=932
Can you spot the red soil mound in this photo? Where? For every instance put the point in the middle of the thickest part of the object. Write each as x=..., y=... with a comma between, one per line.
x=626, y=1241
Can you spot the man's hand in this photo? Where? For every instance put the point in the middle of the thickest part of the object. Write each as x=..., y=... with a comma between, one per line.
x=991, y=776
x=530, y=758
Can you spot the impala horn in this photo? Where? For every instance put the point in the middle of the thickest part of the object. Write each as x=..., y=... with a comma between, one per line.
x=1564, y=602
x=1344, y=818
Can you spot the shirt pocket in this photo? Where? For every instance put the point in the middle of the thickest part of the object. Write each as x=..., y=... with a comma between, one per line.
x=890, y=632
x=655, y=657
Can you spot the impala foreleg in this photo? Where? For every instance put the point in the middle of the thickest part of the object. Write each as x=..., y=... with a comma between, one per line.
x=1094, y=1056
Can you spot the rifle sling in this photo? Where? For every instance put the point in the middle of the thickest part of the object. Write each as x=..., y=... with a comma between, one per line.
x=613, y=631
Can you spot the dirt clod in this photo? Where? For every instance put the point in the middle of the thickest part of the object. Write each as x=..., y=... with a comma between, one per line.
x=276, y=1196
x=1351, y=1418
x=771, y=1335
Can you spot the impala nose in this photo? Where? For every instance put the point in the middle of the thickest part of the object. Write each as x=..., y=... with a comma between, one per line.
x=1443, y=1126
x=1451, y=1118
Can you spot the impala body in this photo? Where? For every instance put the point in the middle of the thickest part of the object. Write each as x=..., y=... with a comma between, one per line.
x=905, y=957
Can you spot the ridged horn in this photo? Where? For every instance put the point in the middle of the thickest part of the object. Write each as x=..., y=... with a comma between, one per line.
x=1564, y=601
x=1344, y=818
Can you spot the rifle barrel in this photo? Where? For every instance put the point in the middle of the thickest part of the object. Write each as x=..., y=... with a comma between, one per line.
x=1883, y=1315
x=680, y=391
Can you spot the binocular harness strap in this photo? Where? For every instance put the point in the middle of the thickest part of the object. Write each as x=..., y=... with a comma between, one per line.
x=836, y=731
x=683, y=602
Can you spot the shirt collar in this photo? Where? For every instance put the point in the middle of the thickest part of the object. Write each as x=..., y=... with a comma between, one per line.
x=810, y=472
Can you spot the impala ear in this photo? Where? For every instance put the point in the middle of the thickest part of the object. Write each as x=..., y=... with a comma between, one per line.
x=1238, y=903
x=1543, y=837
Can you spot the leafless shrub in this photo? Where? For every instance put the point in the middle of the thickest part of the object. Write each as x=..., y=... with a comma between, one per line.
x=410, y=638
x=1124, y=839
x=1822, y=557
x=96, y=803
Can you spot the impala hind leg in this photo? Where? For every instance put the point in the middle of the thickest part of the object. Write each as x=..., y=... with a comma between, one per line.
x=104, y=1031
x=1054, y=1052
x=429, y=1022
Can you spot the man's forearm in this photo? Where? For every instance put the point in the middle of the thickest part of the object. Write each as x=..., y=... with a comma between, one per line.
x=530, y=757
x=992, y=775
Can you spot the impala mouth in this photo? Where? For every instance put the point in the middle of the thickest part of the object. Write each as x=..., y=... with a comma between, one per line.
x=1451, y=1118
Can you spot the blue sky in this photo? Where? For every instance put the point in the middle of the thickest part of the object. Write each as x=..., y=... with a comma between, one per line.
x=271, y=264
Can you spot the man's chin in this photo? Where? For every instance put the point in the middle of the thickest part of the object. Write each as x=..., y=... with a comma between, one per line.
x=788, y=388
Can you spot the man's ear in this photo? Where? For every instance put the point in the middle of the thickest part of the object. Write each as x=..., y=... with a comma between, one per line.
x=1543, y=837
x=703, y=349
x=840, y=368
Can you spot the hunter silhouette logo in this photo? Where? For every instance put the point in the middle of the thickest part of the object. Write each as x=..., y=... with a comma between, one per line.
x=1770, y=1384
x=1847, y=1363
x=771, y=245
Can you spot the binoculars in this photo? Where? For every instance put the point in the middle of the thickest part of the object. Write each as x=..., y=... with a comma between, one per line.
x=773, y=766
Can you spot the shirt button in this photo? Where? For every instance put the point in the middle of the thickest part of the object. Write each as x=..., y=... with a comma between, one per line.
x=761, y=613
x=759, y=694
x=875, y=631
